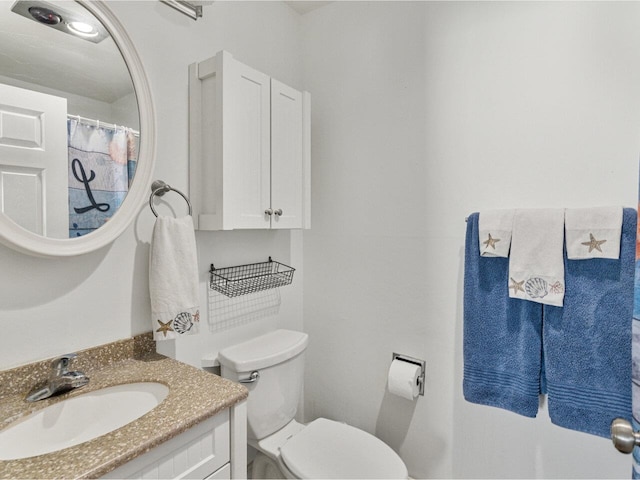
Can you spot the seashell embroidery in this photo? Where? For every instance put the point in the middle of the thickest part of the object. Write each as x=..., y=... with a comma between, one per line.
x=182, y=323
x=536, y=287
x=557, y=287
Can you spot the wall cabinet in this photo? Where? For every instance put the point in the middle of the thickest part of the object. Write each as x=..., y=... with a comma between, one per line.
x=249, y=156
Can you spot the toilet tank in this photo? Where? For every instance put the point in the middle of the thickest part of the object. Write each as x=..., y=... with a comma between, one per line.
x=278, y=357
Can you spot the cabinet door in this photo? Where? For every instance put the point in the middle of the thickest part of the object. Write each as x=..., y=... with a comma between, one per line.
x=246, y=146
x=193, y=454
x=223, y=473
x=286, y=156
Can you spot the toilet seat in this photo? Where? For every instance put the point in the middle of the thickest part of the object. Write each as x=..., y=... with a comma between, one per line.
x=328, y=449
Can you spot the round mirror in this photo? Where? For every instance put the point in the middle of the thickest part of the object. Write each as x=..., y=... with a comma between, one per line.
x=77, y=132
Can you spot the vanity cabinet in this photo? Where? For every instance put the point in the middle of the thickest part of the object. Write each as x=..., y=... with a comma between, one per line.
x=212, y=449
x=249, y=156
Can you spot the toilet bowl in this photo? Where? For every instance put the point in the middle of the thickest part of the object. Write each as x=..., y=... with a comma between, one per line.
x=271, y=366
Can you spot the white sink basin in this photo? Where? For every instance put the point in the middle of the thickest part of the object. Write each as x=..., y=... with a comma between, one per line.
x=79, y=419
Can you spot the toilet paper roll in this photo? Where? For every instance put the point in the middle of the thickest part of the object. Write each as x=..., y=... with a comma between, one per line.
x=403, y=379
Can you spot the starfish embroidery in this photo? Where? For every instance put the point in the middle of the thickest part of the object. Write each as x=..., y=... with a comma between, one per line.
x=490, y=242
x=516, y=286
x=165, y=327
x=593, y=243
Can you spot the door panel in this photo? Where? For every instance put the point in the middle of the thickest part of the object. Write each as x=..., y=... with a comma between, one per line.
x=33, y=161
x=286, y=156
x=247, y=147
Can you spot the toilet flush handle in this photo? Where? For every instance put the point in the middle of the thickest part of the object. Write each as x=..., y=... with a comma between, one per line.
x=253, y=377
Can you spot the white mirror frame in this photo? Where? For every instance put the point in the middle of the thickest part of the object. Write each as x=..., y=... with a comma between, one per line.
x=22, y=240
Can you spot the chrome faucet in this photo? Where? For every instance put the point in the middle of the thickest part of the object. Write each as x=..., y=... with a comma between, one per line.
x=60, y=381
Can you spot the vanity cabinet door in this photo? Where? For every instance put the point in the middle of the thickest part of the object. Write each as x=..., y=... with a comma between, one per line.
x=223, y=473
x=194, y=454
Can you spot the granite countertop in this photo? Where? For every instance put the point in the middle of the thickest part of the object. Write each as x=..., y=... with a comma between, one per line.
x=194, y=395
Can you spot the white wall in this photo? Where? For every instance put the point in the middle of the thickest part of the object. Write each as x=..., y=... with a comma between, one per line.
x=76, y=104
x=49, y=307
x=423, y=113
x=263, y=35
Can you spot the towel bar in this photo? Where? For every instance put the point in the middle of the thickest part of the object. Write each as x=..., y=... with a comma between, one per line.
x=159, y=188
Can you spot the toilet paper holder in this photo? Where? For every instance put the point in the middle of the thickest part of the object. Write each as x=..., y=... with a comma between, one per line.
x=416, y=361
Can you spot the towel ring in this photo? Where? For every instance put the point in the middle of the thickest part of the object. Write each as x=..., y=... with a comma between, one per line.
x=160, y=188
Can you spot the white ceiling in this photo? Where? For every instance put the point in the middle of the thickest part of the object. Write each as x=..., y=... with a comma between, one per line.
x=35, y=53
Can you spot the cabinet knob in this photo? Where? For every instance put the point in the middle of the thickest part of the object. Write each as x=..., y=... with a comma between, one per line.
x=268, y=211
x=278, y=212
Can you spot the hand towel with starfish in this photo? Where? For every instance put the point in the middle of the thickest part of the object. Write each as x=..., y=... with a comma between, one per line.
x=494, y=232
x=173, y=278
x=593, y=232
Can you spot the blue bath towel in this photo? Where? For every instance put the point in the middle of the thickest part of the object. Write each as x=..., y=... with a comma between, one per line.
x=587, y=343
x=502, y=335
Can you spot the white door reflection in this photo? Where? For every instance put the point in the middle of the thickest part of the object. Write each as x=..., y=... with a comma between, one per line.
x=33, y=160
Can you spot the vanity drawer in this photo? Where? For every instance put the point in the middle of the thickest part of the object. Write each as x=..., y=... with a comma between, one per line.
x=196, y=453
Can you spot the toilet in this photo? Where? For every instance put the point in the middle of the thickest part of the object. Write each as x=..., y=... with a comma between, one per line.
x=271, y=366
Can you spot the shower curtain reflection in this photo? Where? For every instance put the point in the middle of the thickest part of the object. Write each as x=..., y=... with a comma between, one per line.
x=102, y=163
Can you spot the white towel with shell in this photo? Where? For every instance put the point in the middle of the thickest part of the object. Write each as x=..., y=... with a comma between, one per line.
x=536, y=265
x=173, y=278
x=593, y=232
x=494, y=232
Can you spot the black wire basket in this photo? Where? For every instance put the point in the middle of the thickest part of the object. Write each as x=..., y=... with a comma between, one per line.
x=251, y=278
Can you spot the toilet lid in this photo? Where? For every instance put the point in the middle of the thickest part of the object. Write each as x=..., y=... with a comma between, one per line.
x=328, y=449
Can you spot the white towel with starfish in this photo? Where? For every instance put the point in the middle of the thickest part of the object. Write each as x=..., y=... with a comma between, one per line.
x=593, y=232
x=536, y=264
x=173, y=278
x=494, y=232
